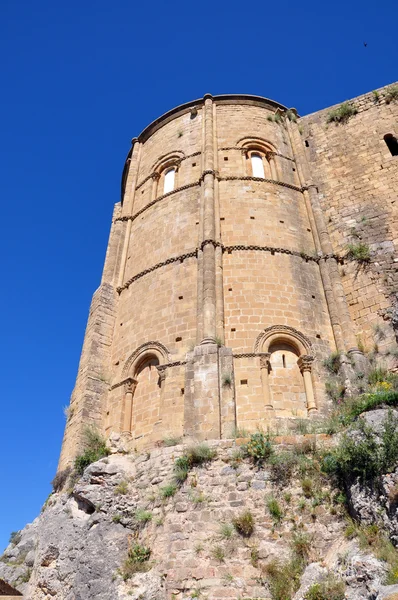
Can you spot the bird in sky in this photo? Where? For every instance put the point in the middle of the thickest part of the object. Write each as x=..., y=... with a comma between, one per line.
x=365, y=44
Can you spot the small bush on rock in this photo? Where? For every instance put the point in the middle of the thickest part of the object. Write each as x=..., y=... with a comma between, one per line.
x=301, y=546
x=259, y=447
x=180, y=475
x=333, y=362
x=168, y=490
x=274, y=509
x=136, y=561
x=282, y=467
x=226, y=531
x=360, y=454
x=282, y=578
x=95, y=448
x=122, y=488
x=15, y=537
x=143, y=516
x=329, y=589
x=199, y=455
x=244, y=524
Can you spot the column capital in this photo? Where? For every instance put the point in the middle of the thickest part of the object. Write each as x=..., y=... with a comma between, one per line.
x=305, y=362
x=162, y=371
x=129, y=385
x=265, y=360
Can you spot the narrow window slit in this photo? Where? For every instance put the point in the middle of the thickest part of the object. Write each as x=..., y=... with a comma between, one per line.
x=392, y=144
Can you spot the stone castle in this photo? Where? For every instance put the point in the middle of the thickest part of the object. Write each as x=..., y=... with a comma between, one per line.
x=248, y=246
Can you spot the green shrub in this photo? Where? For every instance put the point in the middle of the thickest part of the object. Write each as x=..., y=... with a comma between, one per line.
x=180, y=475
x=353, y=407
x=218, y=553
x=244, y=523
x=172, y=441
x=283, y=578
x=95, y=448
x=372, y=538
x=182, y=463
x=274, y=509
x=342, y=113
x=377, y=375
x=359, y=252
x=168, y=490
x=116, y=518
x=329, y=589
x=259, y=447
x=307, y=487
x=226, y=531
x=333, y=362
x=289, y=114
x=301, y=546
x=15, y=537
x=391, y=94
x=282, y=465
x=199, y=455
x=359, y=454
x=143, y=516
x=136, y=561
x=122, y=488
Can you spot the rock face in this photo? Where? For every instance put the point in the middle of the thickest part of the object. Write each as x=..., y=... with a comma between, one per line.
x=76, y=548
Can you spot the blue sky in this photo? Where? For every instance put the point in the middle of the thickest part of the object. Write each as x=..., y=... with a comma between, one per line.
x=79, y=80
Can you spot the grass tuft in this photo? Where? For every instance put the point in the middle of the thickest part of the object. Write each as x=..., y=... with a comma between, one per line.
x=342, y=113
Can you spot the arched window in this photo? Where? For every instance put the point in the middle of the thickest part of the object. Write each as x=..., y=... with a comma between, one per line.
x=257, y=166
x=169, y=180
x=392, y=144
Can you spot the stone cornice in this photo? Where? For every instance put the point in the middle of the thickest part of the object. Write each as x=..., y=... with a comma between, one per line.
x=229, y=249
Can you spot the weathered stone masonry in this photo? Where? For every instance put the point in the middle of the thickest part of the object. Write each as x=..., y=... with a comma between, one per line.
x=225, y=283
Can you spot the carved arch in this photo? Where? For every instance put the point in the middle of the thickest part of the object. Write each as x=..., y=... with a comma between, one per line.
x=278, y=333
x=171, y=159
x=256, y=143
x=141, y=353
x=300, y=344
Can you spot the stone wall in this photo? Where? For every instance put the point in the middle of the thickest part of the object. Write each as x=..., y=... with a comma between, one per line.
x=357, y=178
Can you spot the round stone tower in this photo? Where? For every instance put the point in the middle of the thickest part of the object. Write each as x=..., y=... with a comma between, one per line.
x=220, y=296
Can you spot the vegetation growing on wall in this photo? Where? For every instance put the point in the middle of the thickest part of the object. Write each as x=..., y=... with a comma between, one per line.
x=391, y=94
x=342, y=113
x=359, y=252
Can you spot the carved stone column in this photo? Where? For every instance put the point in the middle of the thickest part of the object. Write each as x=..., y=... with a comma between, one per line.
x=128, y=206
x=209, y=259
x=272, y=164
x=305, y=365
x=129, y=389
x=265, y=367
x=162, y=370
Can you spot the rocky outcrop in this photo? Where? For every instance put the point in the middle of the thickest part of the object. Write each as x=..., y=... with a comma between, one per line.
x=77, y=547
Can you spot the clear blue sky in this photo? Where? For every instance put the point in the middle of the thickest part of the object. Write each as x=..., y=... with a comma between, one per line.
x=79, y=80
